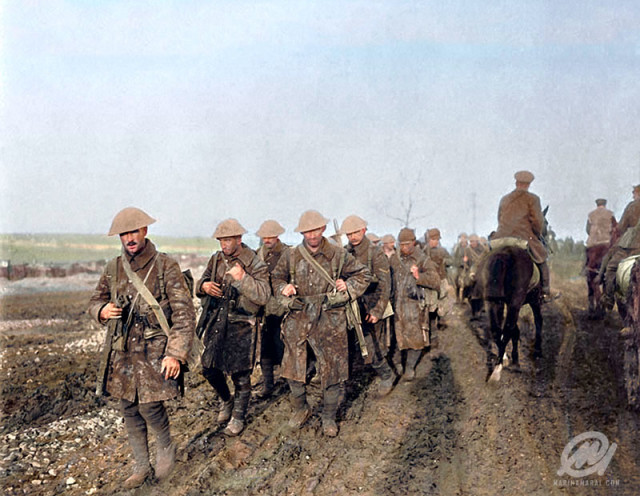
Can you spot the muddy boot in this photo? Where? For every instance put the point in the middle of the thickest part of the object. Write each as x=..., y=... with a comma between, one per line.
x=412, y=359
x=157, y=418
x=330, y=410
x=301, y=409
x=267, y=378
x=226, y=408
x=387, y=378
x=137, y=433
x=240, y=404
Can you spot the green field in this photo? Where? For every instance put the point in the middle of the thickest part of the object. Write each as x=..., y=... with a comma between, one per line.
x=66, y=248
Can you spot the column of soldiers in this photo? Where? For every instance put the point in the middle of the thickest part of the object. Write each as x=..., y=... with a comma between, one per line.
x=286, y=304
x=609, y=243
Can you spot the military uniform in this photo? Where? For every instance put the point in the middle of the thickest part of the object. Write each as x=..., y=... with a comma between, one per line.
x=374, y=301
x=228, y=324
x=411, y=319
x=312, y=322
x=143, y=368
x=520, y=216
x=441, y=258
x=600, y=225
x=271, y=346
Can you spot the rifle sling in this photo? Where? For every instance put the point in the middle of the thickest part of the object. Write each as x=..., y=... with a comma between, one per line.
x=143, y=291
x=321, y=270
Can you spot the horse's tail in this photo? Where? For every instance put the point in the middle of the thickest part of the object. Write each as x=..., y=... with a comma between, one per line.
x=498, y=266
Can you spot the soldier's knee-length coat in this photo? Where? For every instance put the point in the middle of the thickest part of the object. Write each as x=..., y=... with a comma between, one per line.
x=324, y=330
x=230, y=343
x=406, y=295
x=137, y=370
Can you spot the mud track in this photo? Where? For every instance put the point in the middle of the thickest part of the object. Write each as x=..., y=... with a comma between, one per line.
x=447, y=433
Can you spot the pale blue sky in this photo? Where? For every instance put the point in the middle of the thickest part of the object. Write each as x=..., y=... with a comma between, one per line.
x=198, y=111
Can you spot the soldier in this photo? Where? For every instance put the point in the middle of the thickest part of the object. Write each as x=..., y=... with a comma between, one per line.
x=412, y=271
x=459, y=264
x=317, y=279
x=600, y=225
x=388, y=245
x=233, y=288
x=374, y=303
x=147, y=345
x=520, y=216
x=271, y=344
x=627, y=246
x=631, y=213
x=472, y=256
x=374, y=239
x=440, y=256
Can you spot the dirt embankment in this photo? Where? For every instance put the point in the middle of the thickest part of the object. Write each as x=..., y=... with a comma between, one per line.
x=447, y=433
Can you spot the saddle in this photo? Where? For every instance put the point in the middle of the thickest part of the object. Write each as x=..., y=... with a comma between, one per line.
x=523, y=244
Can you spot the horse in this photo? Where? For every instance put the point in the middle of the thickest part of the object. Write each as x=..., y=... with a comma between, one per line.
x=509, y=279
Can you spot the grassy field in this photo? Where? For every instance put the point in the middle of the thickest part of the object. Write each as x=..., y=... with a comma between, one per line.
x=65, y=248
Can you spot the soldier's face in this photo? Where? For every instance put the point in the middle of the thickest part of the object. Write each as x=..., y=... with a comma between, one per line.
x=388, y=247
x=133, y=241
x=474, y=243
x=270, y=242
x=433, y=242
x=356, y=237
x=314, y=238
x=407, y=247
x=230, y=245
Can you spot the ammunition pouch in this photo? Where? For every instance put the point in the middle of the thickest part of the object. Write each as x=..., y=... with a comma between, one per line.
x=275, y=307
x=335, y=299
x=116, y=327
x=292, y=303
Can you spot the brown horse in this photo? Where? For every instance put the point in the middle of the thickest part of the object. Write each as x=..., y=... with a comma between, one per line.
x=506, y=279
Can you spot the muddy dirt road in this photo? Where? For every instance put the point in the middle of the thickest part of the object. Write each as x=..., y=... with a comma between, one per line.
x=446, y=433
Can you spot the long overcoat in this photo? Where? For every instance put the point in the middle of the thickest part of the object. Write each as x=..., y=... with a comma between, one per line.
x=230, y=341
x=137, y=370
x=323, y=329
x=407, y=295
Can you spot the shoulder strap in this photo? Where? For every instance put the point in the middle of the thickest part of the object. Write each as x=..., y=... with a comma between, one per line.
x=143, y=291
x=112, y=272
x=292, y=266
x=321, y=270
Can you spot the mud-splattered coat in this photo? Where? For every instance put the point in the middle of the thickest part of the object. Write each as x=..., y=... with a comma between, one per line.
x=325, y=330
x=520, y=216
x=406, y=295
x=231, y=347
x=137, y=370
x=376, y=297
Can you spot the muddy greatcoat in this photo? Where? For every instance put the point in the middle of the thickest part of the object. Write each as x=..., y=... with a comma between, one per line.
x=271, y=342
x=376, y=297
x=600, y=224
x=520, y=216
x=408, y=296
x=136, y=371
x=230, y=342
x=324, y=330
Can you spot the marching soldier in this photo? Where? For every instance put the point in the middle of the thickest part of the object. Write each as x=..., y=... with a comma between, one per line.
x=233, y=288
x=271, y=344
x=412, y=273
x=144, y=301
x=440, y=256
x=374, y=303
x=388, y=245
x=459, y=265
x=317, y=280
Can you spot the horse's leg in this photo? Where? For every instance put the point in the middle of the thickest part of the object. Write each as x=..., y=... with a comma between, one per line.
x=537, y=318
x=515, y=355
x=493, y=333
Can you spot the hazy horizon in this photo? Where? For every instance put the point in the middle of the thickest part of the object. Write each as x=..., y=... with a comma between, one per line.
x=201, y=111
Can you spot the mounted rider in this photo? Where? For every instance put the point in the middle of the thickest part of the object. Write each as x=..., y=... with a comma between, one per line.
x=520, y=216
